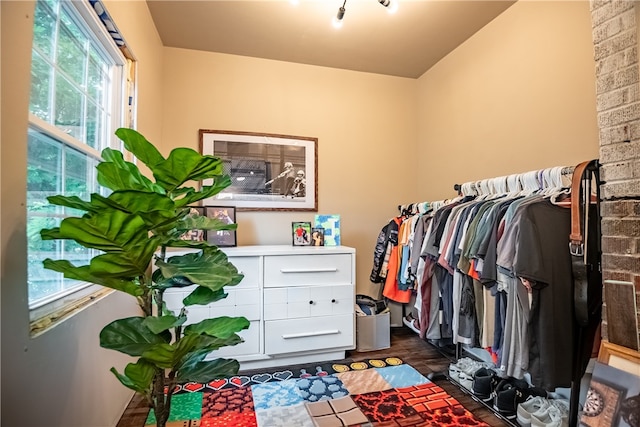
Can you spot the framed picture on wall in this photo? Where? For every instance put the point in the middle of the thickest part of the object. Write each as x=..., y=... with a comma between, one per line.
x=301, y=233
x=268, y=172
x=226, y=215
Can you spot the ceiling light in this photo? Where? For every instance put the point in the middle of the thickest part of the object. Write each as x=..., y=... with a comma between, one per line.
x=391, y=5
x=337, y=21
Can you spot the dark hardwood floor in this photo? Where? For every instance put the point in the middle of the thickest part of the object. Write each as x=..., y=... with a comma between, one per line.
x=406, y=345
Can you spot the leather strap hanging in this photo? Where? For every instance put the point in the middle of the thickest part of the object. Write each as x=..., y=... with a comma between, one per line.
x=584, y=246
x=586, y=265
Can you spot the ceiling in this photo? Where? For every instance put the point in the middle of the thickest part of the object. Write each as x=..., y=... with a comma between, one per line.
x=405, y=44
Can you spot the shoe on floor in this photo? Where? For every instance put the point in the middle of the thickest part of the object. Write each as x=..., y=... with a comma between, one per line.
x=552, y=416
x=411, y=323
x=463, y=370
x=510, y=393
x=485, y=381
x=534, y=404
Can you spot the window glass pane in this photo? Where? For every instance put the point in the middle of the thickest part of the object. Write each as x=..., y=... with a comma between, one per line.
x=71, y=50
x=97, y=78
x=41, y=72
x=43, y=180
x=44, y=29
x=68, y=108
x=46, y=176
x=80, y=180
x=94, y=125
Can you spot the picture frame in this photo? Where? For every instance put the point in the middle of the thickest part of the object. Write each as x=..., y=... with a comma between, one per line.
x=269, y=172
x=331, y=226
x=317, y=236
x=301, y=233
x=222, y=238
x=614, y=389
x=619, y=357
x=195, y=235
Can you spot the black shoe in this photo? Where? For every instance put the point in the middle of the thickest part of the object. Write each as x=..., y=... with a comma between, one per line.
x=509, y=393
x=485, y=381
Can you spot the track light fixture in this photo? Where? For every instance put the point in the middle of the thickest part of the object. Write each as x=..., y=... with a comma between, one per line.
x=391, y=5
x=337, y=21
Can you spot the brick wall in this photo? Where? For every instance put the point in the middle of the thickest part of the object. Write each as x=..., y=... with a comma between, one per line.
x=615, y=39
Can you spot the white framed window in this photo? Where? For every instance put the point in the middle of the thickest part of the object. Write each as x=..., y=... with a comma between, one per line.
x=78, y=100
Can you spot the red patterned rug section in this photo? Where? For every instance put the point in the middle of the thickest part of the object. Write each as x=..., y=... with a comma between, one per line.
x=239, y=400
x=384, y=405
x=437, y=407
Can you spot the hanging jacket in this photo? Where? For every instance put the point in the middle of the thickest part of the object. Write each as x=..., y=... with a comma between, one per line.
x=388, y=234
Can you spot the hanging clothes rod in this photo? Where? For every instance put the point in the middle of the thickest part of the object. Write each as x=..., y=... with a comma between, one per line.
x=532, y=180
x=536, y=180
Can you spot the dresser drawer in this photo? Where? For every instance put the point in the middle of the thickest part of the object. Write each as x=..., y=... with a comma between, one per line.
x=307, y=301
x=250, y=267
x=239, y=302
x=319, y=333
x=301, y=270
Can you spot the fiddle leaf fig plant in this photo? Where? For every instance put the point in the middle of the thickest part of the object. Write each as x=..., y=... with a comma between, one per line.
x=132, y=227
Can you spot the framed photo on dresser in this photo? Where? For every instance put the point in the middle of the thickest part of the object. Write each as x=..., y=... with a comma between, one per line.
x=301, y=233
x=226, y=215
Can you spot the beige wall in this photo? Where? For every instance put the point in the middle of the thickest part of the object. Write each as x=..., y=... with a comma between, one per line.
x=518, y=96
x=365, y=125
x=61, y=378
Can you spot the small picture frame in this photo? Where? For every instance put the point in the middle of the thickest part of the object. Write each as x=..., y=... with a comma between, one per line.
x=222, y=238
x=317, y=236
x=195, y=235
x=301, y=233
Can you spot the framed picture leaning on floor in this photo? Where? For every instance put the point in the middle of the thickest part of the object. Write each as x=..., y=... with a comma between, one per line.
x=227, y=215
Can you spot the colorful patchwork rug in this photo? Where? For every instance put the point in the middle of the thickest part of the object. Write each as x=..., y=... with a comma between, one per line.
x=373, y=393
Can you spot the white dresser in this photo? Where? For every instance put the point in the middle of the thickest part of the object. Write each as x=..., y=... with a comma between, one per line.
x=298, y=299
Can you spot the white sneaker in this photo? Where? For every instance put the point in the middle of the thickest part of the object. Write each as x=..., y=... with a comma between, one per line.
x=534, y=404
x=563, y=407
x=462, y=371
x=548, y=417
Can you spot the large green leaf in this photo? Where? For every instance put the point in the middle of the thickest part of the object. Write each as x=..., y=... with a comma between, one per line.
x=117, y=174
x=220, y=183
x=73, y=202
x=185, y=164
x=106, y=231
x=132, y=261
x=220, y=327
x=143, y=202
x=209, y=268
x=161, y=355
x=137, y=376
x=163, y=323
x=203, y=372
x=204, y=296
x=130, y=336
x=204, y=223
x=114, y=177
x=170, y=355
x=139, y=146
x=155, y=209
x=84, y=274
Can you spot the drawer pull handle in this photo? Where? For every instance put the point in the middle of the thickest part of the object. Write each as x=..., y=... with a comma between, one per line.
x=311, y=334
x=311, y=302
x=308, y=270
x=333, y=300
